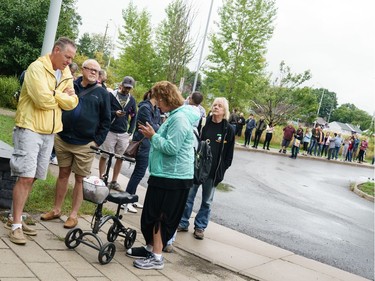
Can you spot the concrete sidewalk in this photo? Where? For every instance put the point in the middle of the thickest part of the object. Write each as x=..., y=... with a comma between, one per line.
x=224, y=254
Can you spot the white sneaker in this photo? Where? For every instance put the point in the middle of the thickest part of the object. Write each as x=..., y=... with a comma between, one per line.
x=53, y=161
x=131, y=209
x=137, y=205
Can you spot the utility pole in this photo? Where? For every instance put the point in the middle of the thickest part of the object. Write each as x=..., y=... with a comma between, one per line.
x=200, y=56
x=105, y=35
x=51, y=26
x=320, y=103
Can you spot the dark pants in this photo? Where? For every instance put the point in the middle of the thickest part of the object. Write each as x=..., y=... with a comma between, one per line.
x=258, y=134
x=267, y=141
x=248, y=133
x=295, y=151
x=361, y=155
x=331, y=153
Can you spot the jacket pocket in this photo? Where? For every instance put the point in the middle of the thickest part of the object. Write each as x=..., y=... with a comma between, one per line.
x=18, y=162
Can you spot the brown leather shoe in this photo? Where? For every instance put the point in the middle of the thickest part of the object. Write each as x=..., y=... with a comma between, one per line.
x=71, y=222
x=50, y=216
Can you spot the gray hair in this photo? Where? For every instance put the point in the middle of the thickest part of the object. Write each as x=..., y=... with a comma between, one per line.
x=225, y=103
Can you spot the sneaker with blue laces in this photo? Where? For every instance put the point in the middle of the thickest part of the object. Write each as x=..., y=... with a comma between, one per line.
x=149, y=263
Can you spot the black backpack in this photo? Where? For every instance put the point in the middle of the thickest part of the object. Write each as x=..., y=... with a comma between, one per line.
x=202, y=160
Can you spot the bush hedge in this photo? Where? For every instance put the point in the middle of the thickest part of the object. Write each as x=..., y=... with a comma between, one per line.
x=8, y=87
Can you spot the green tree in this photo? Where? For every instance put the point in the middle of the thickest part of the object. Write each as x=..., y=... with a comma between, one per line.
x=349, y=113
x=238, y=49
x=281, y=99
x=329, y=102
x=137, y=57
x=22, y=26
x=95, y=45
x=173, y=41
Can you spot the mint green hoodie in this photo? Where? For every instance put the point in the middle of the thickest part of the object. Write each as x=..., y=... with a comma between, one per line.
x=172, y=153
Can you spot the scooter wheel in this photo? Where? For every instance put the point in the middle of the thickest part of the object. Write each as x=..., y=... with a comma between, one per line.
x=106, y=253
x=113, y=232
x=131, y=234
x=73, y=238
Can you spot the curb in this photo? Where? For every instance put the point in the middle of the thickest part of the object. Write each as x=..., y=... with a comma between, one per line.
x=362, y=194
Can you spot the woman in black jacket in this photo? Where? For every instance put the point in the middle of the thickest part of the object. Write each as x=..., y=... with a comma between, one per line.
x=221, y=135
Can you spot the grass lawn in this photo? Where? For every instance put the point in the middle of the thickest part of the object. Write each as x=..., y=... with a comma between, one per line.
x=367, y=187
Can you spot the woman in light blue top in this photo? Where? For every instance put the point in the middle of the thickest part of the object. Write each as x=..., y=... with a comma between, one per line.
x=171, y=166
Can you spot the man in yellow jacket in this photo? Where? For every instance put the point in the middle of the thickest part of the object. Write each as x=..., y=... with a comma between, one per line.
x=47, y=89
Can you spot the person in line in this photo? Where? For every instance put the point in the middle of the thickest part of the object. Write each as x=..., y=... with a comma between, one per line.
x=350, y=149
x=233, y=118
x=102, y=78
x=46, y=91
x=362, y=150
x=269, y=132
x=222, y=139
x=240, y=124
x=326, y=144
x=289, y=132
x=356, y=144
x=73, y=67
x=87, y=125
x=171, y=167
x=338, y=142
x=345, y=149
x=148, y=112
x=320, y=142
x=331, y=146
x=260, y=127
x=298, y=136
x=306, y=140
x=250, y=125
x=195, y=99
x=123, y=108
x=314, y=140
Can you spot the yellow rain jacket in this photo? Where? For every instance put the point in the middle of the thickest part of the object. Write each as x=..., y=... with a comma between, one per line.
x=42, y=98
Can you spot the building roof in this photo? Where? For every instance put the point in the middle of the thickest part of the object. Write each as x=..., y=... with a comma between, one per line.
x=347, y=127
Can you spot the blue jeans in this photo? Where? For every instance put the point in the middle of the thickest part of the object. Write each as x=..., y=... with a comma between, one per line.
x=337, y=149
x=203, y=216
x=313, y=144
x=139, y=171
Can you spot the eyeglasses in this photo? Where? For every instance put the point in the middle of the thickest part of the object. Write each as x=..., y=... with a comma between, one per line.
x=91, y=69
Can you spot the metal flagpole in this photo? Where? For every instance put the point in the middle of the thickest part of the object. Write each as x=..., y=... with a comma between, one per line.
x=200, y=56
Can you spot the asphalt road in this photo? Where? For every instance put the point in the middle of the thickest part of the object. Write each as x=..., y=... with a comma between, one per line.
x=301, y=205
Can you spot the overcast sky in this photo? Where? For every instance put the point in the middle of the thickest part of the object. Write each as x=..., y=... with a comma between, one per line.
x=334, y=39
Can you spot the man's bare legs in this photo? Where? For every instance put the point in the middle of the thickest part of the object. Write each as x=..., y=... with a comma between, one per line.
x=21, y=191
x=102, y=166
x=77, y=195
x=61, y=188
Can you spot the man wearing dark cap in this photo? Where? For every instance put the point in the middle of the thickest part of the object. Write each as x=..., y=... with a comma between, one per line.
x=123, y=107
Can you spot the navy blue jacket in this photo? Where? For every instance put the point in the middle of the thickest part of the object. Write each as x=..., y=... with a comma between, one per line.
x=90, y=120
x=120, y=124
x=146, y=113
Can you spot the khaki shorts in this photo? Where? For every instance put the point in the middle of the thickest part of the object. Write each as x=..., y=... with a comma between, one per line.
x=31, y=154
x=77, y=156
x=115, y=143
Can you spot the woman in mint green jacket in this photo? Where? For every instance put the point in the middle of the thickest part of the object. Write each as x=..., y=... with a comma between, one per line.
x=171, y=167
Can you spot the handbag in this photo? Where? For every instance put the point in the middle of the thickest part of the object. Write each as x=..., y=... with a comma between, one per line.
x=297, y=142
x=132, y=149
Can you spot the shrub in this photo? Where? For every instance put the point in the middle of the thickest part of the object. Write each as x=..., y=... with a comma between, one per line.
x=8, y=86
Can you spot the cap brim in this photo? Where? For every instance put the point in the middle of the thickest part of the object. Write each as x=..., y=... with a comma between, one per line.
x=127, y=85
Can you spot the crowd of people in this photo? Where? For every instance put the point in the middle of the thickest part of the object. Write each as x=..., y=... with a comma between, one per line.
x=68, y=114
x=314, y=142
